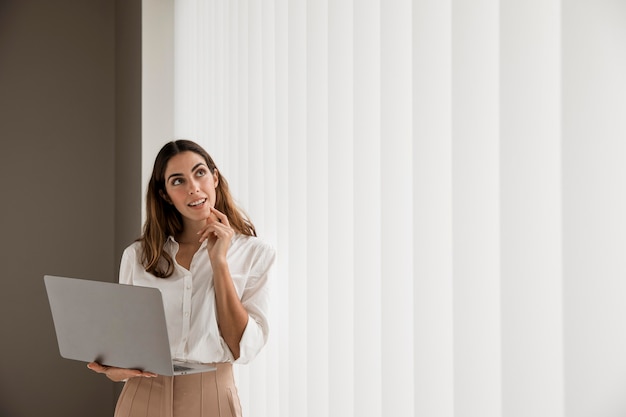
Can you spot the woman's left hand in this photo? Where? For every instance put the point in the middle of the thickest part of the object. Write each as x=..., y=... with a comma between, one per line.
x=218, y=235
x=119, y=374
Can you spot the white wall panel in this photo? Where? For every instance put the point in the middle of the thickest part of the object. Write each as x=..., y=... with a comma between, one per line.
x=186, y=68
x=158, y=89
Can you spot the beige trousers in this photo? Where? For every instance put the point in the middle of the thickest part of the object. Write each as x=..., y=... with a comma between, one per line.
x=208, y=394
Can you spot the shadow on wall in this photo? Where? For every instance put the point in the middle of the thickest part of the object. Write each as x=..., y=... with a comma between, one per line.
x=4, y=23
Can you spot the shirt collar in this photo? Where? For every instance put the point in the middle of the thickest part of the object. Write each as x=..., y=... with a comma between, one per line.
x=172, y=241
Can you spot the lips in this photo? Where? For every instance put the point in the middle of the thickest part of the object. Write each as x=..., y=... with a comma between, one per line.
x=197, y=203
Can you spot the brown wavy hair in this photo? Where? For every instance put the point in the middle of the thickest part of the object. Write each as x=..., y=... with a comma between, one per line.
x=163, y=220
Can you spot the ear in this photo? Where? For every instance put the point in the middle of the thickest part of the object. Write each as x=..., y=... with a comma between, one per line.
x=165, y=197
x=216, y=177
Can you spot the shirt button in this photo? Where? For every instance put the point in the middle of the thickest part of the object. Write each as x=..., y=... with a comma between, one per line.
x=186, y=314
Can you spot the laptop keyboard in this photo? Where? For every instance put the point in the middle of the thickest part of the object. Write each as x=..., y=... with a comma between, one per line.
x=180, y=368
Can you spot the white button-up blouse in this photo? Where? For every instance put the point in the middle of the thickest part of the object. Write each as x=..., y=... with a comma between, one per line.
x=189, y=298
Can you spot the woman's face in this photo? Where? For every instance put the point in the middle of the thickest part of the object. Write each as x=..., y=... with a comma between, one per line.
x=190, y=185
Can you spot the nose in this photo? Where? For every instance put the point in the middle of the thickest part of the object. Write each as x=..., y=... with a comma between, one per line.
x=193, y=187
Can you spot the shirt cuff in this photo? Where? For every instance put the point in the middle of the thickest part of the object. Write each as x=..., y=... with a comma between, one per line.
x=252, y=341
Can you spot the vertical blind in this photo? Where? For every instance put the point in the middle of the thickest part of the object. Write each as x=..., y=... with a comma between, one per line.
x=411, y=161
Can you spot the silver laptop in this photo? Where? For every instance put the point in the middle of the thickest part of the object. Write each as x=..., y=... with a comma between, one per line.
x=113, y=324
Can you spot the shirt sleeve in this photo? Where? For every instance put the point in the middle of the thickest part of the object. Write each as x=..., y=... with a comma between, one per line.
x=127, y=266
x=255, y=299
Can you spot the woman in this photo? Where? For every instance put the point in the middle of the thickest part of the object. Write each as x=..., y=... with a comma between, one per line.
x=202, y=252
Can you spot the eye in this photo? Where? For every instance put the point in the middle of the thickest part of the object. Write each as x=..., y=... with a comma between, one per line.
x=201, y=172
x=177, y=181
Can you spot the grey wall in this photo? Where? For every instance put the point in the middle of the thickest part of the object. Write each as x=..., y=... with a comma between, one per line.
x=70, y=81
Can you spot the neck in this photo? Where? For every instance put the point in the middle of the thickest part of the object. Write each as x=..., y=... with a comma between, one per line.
x=187, y=241
x=191, y=229
x=190, y=232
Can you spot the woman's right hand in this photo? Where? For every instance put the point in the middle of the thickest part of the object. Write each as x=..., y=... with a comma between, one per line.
x=118, y=374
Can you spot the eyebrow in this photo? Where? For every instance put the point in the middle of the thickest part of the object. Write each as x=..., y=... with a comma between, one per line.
x=192, y=170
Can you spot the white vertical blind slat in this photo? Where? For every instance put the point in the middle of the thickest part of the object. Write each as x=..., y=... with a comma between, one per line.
x=256, y=179
x=220, y=79
x=182, y=73
x=298, y=210
x=282, y=283
x=317, y=181
x=396, y=219
x=233, y=90
x=241, y=158
x=594, y=226
x=367, y=210
x=432, y=208
x=269, y=226
x=205, y=112
x=476, y=217
x=531, y=233
x=340, y=208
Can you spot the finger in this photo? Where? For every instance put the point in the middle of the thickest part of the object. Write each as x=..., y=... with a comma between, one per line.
x=206, y=233
x=217, y=230
x=209, y=226
x=216, y=235
x=121, y=374
x=96, y=367
x=118, y=374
